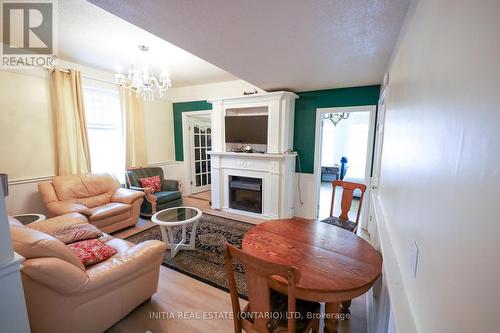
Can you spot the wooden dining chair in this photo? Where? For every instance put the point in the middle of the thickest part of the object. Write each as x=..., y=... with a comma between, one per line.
x=342, y=220
x=267, y=309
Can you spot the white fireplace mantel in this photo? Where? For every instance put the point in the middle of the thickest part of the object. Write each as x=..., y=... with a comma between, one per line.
x=276, y=167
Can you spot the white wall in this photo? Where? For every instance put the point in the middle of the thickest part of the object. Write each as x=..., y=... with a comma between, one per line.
x=440, y=181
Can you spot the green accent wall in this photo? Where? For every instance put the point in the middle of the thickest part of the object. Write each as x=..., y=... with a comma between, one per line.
x=305, y=115
x=179, y=108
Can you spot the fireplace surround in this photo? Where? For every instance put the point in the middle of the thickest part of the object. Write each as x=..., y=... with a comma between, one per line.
x=233, y=189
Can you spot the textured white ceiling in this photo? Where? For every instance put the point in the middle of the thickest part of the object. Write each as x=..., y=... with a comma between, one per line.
x=91, y=36
x=279, y=44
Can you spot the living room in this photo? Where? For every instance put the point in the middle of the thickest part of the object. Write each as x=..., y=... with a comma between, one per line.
x=218, y=167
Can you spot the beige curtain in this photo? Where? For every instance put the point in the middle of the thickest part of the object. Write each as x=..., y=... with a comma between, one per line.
x=135, y=144
x=70, y=128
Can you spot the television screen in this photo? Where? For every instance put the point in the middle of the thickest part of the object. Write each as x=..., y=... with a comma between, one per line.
x=246, y=129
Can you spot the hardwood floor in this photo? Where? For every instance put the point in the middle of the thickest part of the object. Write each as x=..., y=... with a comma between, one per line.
x=180, y=297
x=182, y=302
x=206, y=195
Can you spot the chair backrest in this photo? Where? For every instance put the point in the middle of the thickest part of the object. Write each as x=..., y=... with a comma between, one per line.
x=134, y=175
x=258, y=273
x=347, y=196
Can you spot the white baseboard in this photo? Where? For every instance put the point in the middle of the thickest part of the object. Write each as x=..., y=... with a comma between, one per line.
x=400, y=315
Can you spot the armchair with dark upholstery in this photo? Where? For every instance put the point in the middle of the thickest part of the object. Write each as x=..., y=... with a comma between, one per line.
x=169, y=196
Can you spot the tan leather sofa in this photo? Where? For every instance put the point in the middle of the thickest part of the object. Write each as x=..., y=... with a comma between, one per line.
x=97, y=196
x=62, y=296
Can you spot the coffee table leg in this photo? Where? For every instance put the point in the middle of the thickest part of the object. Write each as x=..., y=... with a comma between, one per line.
x=168, y=237
x=164, y=236
x=192, y=238
x=331, y=318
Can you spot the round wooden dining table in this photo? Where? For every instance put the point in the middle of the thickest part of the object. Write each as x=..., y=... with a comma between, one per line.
x=335, y=265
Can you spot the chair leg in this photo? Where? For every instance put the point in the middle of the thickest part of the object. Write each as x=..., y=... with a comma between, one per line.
x=316, y=325
x=313, y=326
x=345, y=308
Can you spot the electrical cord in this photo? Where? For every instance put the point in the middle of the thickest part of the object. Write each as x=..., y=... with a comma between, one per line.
x=289, y=151
x=298, y=179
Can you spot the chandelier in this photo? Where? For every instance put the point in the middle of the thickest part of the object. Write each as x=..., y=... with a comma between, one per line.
x=335, y=118
x=141, y=80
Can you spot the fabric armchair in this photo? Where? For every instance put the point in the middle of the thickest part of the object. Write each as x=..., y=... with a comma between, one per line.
x=169, y=196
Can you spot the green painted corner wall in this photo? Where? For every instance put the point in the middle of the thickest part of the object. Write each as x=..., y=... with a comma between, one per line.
x=178, y=109
x=305, y=116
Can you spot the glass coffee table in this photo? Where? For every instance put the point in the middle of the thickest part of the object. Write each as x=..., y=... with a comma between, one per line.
x=175, y=217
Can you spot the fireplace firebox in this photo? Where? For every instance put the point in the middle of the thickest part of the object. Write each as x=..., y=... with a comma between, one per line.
x=245, y=194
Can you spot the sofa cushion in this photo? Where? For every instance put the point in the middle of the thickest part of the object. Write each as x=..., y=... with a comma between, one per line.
x=92, y=251
x=35, y=244
x=153, y=183
x=59, y=222
x=90, y=190
x=77, y=232
x=167, y=196
x=108, y=210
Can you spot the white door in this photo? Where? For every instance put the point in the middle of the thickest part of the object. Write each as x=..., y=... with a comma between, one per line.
x=377, y=157
x=201, y=141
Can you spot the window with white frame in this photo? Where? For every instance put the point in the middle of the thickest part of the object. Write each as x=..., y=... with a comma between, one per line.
x=105, y=130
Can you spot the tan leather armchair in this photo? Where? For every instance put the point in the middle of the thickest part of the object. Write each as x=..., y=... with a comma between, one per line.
x=62, y=296
x=97, y=196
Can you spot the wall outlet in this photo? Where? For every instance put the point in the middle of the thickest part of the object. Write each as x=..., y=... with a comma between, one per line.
x=414, y=258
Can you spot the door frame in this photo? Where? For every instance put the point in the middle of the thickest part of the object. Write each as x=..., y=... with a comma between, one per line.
x=369, y=153
x=188, y=145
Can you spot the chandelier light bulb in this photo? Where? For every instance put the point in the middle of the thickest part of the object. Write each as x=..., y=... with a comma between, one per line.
x=141, y=79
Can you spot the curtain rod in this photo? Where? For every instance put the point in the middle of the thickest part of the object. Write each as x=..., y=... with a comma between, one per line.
x=67, y=71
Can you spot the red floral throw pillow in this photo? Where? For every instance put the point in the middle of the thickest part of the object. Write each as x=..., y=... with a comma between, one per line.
x=152, y=182
x=92, y=251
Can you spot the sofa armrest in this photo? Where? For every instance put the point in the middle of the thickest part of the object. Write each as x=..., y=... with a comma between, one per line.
x=126, y=196
x=51, y=225
x=57, y=208
x=128, y=264
x=56, y=274
x=169, y=185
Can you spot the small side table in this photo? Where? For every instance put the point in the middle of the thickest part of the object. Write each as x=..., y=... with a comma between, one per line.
x=173, y=217
x=29, y=218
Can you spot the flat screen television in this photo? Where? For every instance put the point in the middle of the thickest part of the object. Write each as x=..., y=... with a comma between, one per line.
x=246, y=129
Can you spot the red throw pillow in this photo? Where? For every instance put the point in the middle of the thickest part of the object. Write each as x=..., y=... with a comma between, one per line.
x=92, y=251
x=152, y=182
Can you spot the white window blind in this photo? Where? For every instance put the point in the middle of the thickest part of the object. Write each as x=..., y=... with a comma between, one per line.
x=105, y=131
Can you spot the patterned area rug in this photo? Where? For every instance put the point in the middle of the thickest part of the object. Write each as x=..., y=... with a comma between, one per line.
x=206, y=262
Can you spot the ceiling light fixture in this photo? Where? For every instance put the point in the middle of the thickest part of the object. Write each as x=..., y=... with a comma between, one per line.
x=335, y=118
x=141, y=80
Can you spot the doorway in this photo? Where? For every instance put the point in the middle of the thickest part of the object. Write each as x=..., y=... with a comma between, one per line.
x=198, y=138
x=344, y=152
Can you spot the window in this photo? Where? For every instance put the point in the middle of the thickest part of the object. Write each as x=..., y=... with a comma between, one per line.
x=105, y=131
